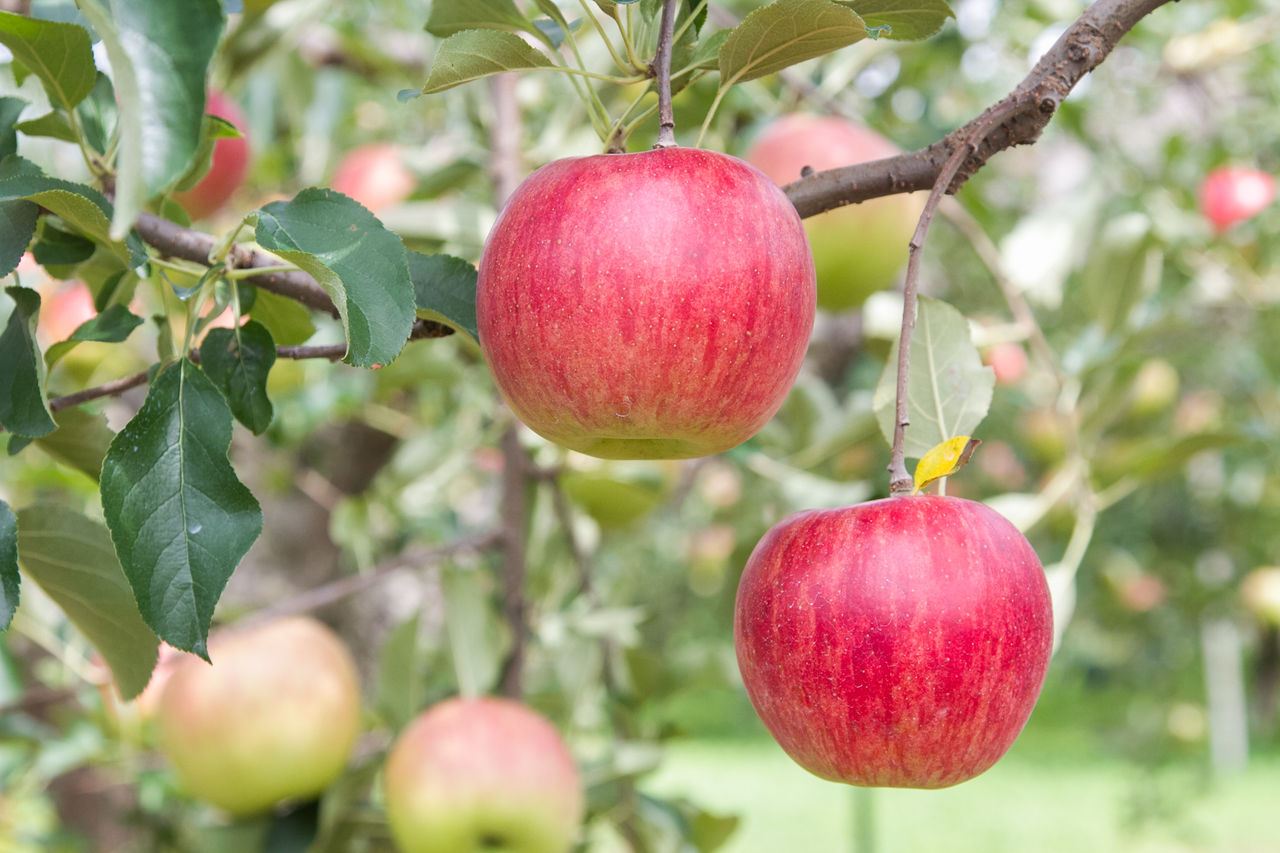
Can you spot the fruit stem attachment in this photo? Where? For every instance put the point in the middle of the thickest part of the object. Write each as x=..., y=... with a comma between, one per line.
x=662, y=67
x=901, y=482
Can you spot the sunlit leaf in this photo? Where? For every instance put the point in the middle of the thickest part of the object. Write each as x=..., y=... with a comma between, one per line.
x=907, y=20
x=944, y=460
x=59, y=54
x=24, y=408
x=453, y=16
x=784, y=33
x=473, y=54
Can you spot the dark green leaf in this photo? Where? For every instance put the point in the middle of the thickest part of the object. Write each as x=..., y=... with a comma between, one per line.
x=445, y=287
x=8, y=565
x=472, y=54
x=907, y=20
x=288, y=321
x=59, y=54
x=80, y=441
x=81, y=206
x=359, y=263
x=17, y=226
x=98, y=114
x=238, y=361
x=784, y=33
x=293, y=831
x=70, y=557
x=180, y=519
x=24, y=409
x=453, y=16
x=53, y=125
x=160, y=52
x=61, y=248
x=10, y=108
x=111, y=326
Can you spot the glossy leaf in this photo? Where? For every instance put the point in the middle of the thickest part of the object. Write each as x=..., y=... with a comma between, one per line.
x=445, y=288
x=59, y=54
x=80, y=441
x=907, y=20
x=473, y=54
x=24, y=409
x=453, y=16
x=17, y=226
x=948, y=389
x=99, y=113
x=944, y=460
x=71, y=558
x=81, y=206
x=786, y=32
x=238, y=361
x=8, y=565
x=160, y=52
x=111, y=326
x=10, y=108
x=180, y=519
x=359, y=263
x=288, y=321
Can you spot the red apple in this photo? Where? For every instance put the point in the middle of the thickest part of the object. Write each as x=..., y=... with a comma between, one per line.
x=227, y=168
x=66, y=305
x=273, y=718
x=646, y=306
x=1231, y=195
x=900, y=643
x=857, y=249
x=1008, y=360
x=482, y=774
x=374, y=175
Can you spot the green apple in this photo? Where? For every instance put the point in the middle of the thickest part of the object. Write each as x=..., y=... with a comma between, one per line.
x=273, y=718
x=857, y=249
x=482, y=775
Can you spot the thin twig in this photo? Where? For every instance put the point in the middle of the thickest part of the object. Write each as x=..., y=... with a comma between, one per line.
x=662, y=68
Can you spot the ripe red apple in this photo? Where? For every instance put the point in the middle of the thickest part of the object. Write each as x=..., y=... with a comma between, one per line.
x=227, y=168
x=646, y=306
x=899, y=643
x=1230, y=195
x=374, y=175
x=1008, y=360
x=273, y=718
x=857, y=249
x=482, y=774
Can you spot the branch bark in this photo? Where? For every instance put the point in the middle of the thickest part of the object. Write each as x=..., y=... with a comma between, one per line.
x=1031, y=105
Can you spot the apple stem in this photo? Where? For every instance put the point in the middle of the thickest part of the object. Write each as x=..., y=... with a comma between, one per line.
x=662, y=67
x=901, y=482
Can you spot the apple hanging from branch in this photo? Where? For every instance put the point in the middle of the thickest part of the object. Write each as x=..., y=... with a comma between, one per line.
x=228, y=165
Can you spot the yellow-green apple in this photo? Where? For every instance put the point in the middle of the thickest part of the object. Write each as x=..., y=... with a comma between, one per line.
x=374, y=175
x=1260, y=594
x=646, y=306
x=273, y=718
x=1234, y=194
x=484, y=774
x=227, y=166
x=857, y=249
x=901, y=642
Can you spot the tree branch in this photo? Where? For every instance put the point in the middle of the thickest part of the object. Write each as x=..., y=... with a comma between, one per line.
x=1030, y=106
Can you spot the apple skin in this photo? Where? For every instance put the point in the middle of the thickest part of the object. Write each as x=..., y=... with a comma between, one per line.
x=857, y=249
x=227, y=168
x=900, y=643
x=374, y=175
x=1230, y=195
x=273, y=718
x=483, y=775
x=1008, y=360
x=654, y=305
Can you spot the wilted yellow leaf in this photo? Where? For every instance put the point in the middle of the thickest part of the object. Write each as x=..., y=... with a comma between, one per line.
x=944, y=459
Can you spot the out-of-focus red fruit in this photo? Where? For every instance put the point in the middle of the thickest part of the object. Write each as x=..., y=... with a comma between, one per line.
x=65, y=305
x=374, y=175
x=1231, y=195
x=229, y=164
x=1008, y=360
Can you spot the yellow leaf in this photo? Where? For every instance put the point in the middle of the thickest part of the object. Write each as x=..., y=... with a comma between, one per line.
x=944, y=460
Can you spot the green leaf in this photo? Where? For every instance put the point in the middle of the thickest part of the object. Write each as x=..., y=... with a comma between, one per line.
x=160, y=52
x=784, y=33
x=907, y=20
x=111, y=326
x=478, y=639
x=948, y=388
x=445, y=287
x=238, y=361
x=70, y=557
x=81, y=206
x=359, y=263
x=24, y=409
x=8, y=565
x=214, y=128
x=472, y=54
x=59, y=54
x=99, y=113
x=1124, y=265
x=61, y=248
x=453, y=16
x=707, y=53
x=10, y=109
x=80, y=441
x=52, y=125
x=400, y=683
x=180, y=519
x=17, y=226
x=288, y=321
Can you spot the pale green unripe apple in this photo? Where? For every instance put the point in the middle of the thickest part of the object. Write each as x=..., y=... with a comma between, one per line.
x=273, y=718
x=483, y=775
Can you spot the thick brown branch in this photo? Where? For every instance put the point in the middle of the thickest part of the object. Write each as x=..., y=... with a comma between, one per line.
x=1031, y=105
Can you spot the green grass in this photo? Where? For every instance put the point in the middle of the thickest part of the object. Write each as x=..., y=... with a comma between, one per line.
x=1045, y=796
